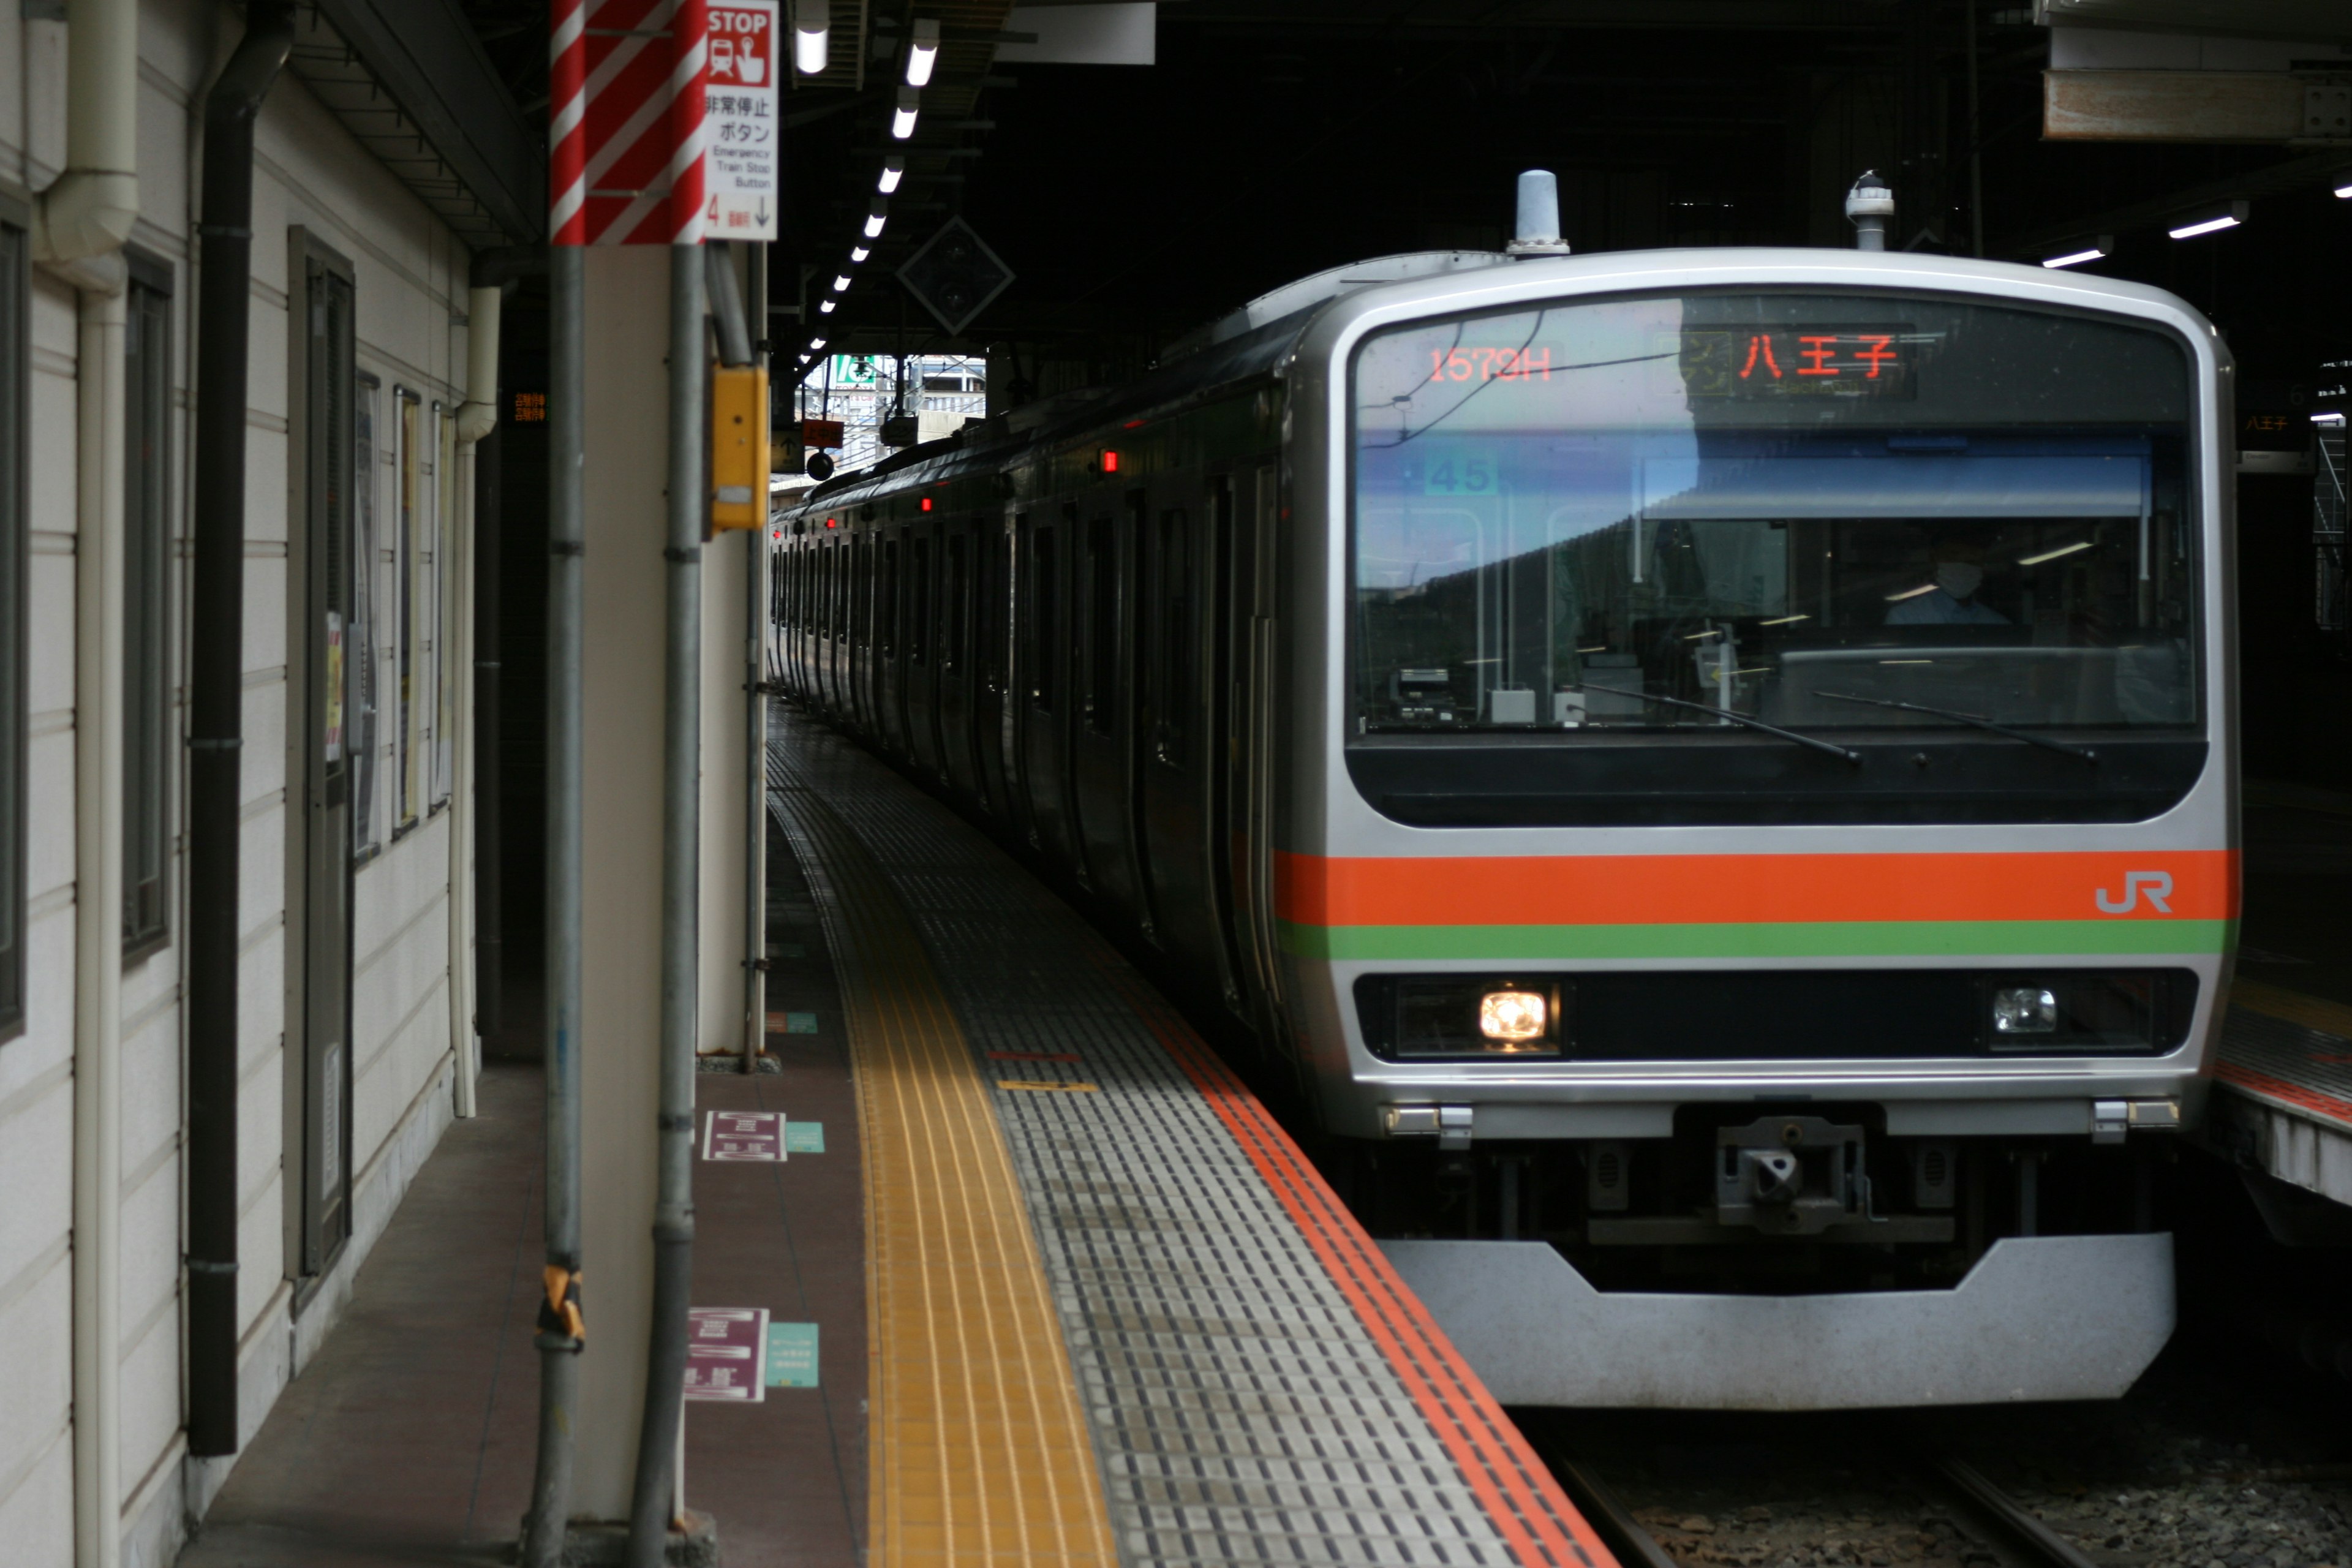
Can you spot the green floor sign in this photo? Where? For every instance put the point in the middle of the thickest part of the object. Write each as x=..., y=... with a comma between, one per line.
x=791, y=1355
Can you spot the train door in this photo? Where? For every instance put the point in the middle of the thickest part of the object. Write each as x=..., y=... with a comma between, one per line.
x=836, y=611
x=335, y=460
x=890, y=642
x=957, y=763
x=1044, y=685
x=1172, y=738
x=859, y=544
x=824, y=622
x=991, y=542
x=1102, y=752
x=869, y=630
x=1243, y=804
x=923, y=650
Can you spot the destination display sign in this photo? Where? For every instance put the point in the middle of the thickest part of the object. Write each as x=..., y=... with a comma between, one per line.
x=1799, y=362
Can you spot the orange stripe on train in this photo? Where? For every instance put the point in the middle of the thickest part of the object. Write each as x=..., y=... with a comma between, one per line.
x=1676, y=890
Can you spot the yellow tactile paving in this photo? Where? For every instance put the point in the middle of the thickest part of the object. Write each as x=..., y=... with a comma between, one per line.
x=2294, y=1006
x=978, y=1449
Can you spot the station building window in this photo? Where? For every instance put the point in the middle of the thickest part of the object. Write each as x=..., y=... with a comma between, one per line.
x=411, y=608
x=367, y=677
x=146, y=605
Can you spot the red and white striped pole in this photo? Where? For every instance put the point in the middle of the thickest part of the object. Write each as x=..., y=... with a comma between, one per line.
x=625, y=137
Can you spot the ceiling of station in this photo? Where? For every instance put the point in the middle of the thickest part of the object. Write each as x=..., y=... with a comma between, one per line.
x=1274, y=138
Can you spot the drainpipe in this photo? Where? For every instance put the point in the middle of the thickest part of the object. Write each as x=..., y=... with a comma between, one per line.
x=216, y=702
x=476, y=418
x=98, y=935
x=494, y=270
x=80, y=222
x=79, y=227
x=755, y=740
x=735, y=352
x=562, y=1331
x=653, y=1494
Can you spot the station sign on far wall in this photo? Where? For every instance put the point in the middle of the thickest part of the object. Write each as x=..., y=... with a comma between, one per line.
x=741, y=142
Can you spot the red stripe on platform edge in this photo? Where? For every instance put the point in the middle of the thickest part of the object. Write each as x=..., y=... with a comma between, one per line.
x=2293, y=1094
x=1535, y=1518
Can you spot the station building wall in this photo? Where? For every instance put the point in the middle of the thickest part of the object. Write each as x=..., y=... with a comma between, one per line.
x=411, y=1003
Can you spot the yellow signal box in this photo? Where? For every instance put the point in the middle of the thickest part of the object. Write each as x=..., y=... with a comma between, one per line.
x=738, y=447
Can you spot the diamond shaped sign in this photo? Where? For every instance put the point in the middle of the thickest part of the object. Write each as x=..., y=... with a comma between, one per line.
x=954, y=275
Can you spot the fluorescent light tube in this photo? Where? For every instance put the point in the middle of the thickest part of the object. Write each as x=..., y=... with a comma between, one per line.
x=2054, y=554
x=923, y=51
x=902, y=122
x=894, y=169
x=2228, y=217
x=812, y=35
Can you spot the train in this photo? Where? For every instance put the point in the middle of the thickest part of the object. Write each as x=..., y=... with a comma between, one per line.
x=1709, y=773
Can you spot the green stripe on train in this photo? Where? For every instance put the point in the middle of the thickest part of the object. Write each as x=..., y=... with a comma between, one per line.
x=1808, y=938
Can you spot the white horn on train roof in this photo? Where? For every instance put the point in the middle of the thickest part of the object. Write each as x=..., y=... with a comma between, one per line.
x=1870, y=207
x=1537, y=230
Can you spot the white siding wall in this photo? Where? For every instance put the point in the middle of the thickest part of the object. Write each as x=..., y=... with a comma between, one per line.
x=411, y=293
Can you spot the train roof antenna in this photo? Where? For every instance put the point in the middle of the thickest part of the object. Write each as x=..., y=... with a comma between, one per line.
x=1539, y=217
x=1870, y=207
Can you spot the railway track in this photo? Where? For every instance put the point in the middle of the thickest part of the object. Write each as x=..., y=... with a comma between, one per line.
x=1998, y=1525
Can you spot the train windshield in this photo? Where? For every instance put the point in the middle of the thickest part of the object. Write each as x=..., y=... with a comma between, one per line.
x=1816, y=509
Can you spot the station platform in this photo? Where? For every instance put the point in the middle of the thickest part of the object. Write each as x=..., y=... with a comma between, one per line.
x=1112, y=1313
x=1024, y=1276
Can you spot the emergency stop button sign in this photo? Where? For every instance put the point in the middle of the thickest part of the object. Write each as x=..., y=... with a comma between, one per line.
x=739, y=122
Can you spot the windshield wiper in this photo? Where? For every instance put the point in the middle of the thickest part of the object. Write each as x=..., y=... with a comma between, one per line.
x=1981, y=722
x=1734, y=716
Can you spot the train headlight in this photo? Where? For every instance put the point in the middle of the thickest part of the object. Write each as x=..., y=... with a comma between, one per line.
x=1512, y=1016
x=2024, y=1010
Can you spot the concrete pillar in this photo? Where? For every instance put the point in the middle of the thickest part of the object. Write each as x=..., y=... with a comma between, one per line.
x=627, y=468
x=626, y=425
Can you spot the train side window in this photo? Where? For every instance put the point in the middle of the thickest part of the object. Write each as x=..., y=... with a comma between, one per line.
x=1102, y=624
x=1044, y=634
x=1171, y=605
x=951, y=657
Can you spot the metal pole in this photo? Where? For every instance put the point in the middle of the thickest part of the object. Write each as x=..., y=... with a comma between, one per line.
x=650, y=1500
x=755, y=762
x=1976, y=136
x=560, y=1327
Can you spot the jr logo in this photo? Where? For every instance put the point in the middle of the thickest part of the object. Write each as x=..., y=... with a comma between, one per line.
x=2156, y=884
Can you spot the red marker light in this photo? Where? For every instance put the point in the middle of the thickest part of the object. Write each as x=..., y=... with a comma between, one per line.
x=1110, y=462
x=832, y=522
x=926, y=503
